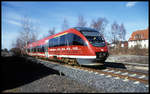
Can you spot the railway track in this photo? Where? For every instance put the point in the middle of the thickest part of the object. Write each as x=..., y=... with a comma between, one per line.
x=126, y=75
x=130, y=66
x=118, y=73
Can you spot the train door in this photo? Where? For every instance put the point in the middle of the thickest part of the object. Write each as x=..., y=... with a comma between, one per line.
x=68, y=40
x=46, y=49
x=68, y=48
x=58, y=46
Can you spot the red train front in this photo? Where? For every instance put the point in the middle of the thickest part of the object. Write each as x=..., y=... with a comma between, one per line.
x=84, y=45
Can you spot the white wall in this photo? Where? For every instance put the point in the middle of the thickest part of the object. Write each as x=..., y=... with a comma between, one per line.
x=143, y=43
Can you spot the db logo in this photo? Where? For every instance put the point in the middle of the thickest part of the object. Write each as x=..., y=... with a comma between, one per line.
x=102, y=49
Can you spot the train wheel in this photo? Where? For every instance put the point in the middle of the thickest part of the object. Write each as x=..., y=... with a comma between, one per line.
x=66, y=60
x=62, y=60
x=73, y=62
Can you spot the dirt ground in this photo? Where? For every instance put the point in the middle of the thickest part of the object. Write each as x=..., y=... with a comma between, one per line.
x=129, y=58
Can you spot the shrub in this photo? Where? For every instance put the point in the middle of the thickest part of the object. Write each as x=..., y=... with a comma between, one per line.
x=16, y=51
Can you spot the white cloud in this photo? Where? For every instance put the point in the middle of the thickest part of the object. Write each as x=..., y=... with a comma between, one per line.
x=130, y=4
x=16, y=18
x=14, y=22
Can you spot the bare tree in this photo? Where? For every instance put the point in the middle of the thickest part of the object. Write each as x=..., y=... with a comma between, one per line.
x=81, y=21
x=118, y=33
x=27, y=34
x=114, y=32
x=65, y=25
x=99, y=24
x=122, y=33
x=51, y=31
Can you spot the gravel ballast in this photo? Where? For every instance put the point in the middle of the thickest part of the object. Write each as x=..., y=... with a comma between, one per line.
x=70, y=80
x=57, y=84
x=22, y=75
x=97, y=81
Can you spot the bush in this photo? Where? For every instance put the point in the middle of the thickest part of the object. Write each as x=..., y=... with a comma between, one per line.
x=137, y=50
x=16, y=51
x=6, y=50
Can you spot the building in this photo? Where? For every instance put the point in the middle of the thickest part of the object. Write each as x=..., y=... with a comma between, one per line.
x=124, y=44
x=112, y=45
x=139, y=37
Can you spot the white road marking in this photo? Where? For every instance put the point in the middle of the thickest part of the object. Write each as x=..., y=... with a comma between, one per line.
x=116, y=78
x=137, y=82
x=143, y=76
x=133, y=75
x=124, y=73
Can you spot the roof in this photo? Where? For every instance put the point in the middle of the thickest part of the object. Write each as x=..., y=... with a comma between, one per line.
x=84, y=28
x=140, y=35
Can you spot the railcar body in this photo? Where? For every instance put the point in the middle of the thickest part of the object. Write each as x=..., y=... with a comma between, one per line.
x=85, y=45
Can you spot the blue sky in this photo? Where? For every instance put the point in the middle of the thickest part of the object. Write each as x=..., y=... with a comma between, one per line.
x=46, y=15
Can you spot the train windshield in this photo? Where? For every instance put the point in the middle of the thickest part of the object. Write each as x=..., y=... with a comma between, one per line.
x=94, y=38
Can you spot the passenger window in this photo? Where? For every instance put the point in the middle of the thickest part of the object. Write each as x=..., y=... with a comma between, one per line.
x=67, y=39
x=78, y=40
x=51, y=43
x=62, y=40
x=28, y=50
x=43, y=49
x=35, y=49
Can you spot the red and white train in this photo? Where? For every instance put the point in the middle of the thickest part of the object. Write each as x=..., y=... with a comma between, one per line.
x=84, y=45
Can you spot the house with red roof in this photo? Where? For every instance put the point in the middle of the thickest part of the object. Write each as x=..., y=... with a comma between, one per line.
x=139, y=37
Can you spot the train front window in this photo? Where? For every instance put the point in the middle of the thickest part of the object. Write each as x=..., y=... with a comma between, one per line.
x=94, y=37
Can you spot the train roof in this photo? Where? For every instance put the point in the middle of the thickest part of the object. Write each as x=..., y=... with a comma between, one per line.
x=84, y=29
